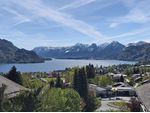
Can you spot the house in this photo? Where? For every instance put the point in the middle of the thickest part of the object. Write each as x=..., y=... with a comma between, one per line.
x=137, y=77
x=117, y=77
x=126, y=91
x=111, y=74
x=123, y=90
x=12, y=88
x=145, y=82
x=99, y=91
x=143, y=93
x=119, y=84
x=134, y=76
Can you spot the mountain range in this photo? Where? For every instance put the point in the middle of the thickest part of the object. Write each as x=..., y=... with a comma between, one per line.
x=112, y=51
x=139, y=51
x=11, y=54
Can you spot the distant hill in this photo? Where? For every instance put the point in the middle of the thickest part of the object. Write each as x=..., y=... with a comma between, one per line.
x=11, y=54
x=112, y=51
x=82, y=51
x=136, y=52
x=137, y=44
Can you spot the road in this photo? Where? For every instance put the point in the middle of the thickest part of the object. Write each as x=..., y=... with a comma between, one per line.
x=104, y=106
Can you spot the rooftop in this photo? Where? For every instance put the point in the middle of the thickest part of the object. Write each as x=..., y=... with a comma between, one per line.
x=143, y=93
x=96, y=88
x=119, y=75
x=124, y=88
x=12, y=87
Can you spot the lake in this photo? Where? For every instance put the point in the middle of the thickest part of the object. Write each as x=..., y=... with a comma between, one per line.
x=59, y=64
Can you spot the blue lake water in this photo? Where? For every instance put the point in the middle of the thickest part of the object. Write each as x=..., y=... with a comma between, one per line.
x=59, y=64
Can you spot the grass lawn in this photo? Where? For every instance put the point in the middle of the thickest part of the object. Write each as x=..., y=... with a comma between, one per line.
x=52, y=78
x=123, y=106
x=31, y=83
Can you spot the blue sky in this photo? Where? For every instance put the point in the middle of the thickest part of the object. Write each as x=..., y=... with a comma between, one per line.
x=32, y=23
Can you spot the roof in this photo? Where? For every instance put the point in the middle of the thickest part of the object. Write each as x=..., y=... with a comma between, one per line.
x=138, y=78
x=12, y=87
x=119, y=83
x=136, y=75
x=111, y=73
x=100, y=89
x=143, y=93
x=125, y=88
x=96, y=88
x=119, y=75
x=92, y=85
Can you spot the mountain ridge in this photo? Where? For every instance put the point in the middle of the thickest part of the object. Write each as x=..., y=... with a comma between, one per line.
x=11, y=54
x=110, y=51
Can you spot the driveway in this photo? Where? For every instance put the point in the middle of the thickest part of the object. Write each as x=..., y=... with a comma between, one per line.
x=104, y=106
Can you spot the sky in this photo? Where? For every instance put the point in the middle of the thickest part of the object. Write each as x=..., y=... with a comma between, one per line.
x=33, y=23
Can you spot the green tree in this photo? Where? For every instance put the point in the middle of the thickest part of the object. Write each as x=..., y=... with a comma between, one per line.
x=80, y=83
x=93, y=103
x=14, y=75
x=26, y=101
x=136, y=70
x=90, y=70
x=76, y=82
x=2, y=97
x=30, y=102
x=59, y=82
x=73, y=101
x=102, y=81
x=68, y=75
x=50, y=100
x=51, y=83
x=131, y=82
x=121, y=78
x=60, y=100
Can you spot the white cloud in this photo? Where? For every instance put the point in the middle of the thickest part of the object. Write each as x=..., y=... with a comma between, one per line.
x=112, y=25
x=139, y=13
x=39, y=9
x=80, y=3
x=20, y=18
x=132, y=33
x=76, y=4
x=128, y=3
x=23, y=40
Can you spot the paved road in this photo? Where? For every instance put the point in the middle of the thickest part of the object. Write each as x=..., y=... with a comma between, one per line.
x=104, y=103
x=104, y=106
x=12, y=87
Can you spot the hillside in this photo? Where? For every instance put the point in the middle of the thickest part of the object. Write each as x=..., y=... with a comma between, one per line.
x=11, y=54
x=112, y=51
x=137, y=52
x=82, y=51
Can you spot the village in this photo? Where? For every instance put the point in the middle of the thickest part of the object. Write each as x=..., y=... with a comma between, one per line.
x=125, y=86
